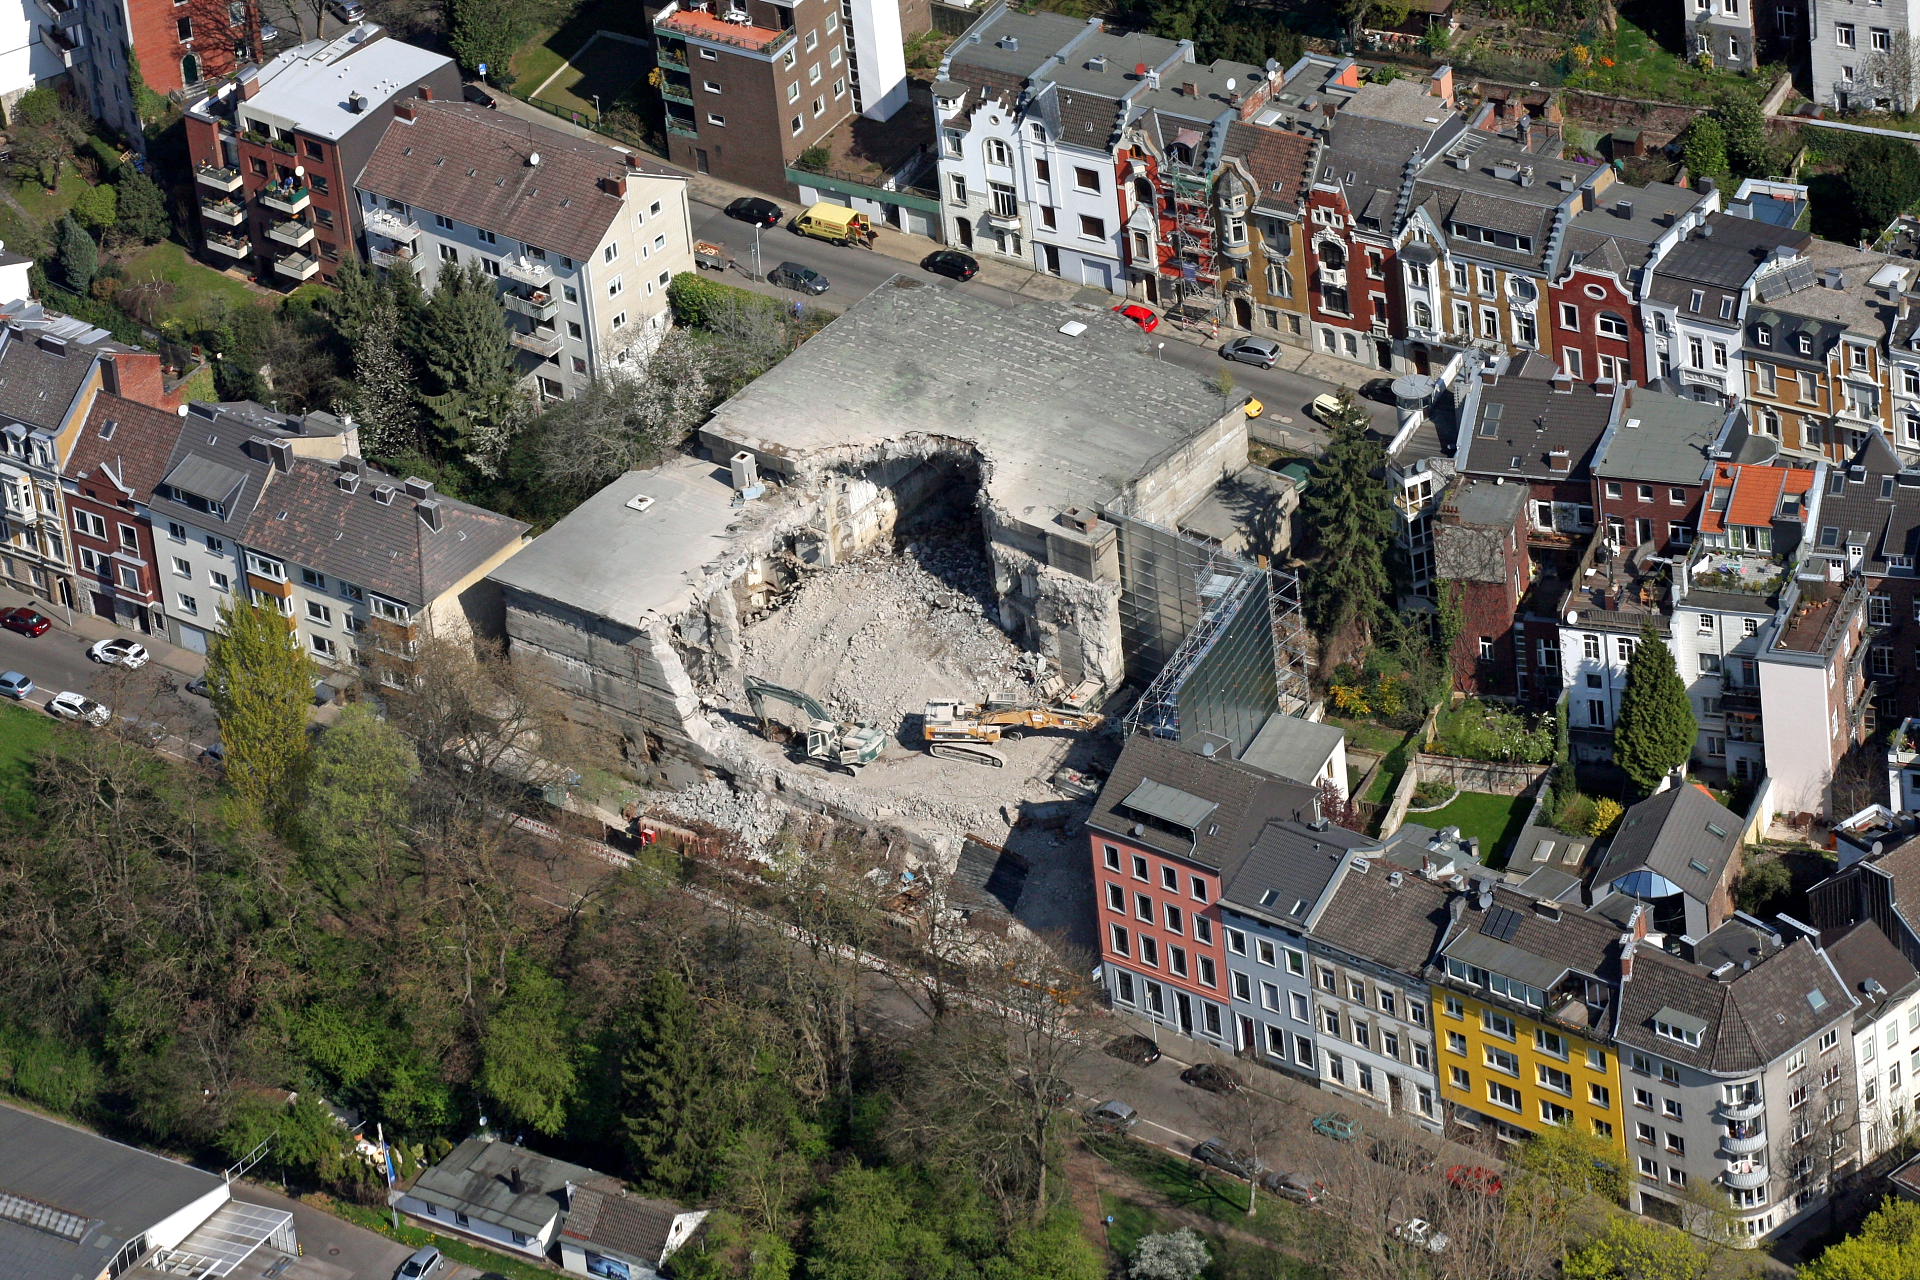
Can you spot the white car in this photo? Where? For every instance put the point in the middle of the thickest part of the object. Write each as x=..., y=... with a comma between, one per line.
x=77, y=706
x=1420, y=1233
x=120, y=652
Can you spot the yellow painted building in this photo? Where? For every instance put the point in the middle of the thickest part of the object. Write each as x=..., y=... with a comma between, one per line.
x=1523, y=1008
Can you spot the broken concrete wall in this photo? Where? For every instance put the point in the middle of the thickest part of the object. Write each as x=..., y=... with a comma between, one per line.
x=1180, y=477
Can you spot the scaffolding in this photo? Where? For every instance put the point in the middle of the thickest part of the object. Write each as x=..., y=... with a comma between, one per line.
x=1218, y=641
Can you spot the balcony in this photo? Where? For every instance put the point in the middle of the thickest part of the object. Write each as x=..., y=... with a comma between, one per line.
x=385, y=222
x=1745, y=1175
x=671, y=59
x=673, y=92
x=539, y=305
x=1007, y=218
x=400, y=257
x=527, y=271
x=545, y=343
x=1740, y=700
x=228, y=213
x=228, y=246
x=673, y=23
x=212, y=175
x=291, y=201
x=293, y=233
x=297, y=266
x=1737, y=1145
x=684, y=128
x=57, y=9
x=1748, y=1108
x=62, y=44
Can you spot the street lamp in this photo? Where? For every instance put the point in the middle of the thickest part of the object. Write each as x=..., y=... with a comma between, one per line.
x=596, y=109
x=756, y=250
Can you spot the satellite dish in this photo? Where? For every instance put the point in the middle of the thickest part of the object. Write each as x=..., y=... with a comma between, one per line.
x=1230, y=84
x=1573, y=616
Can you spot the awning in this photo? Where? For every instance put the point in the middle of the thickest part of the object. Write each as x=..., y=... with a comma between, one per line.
x=221, y=1243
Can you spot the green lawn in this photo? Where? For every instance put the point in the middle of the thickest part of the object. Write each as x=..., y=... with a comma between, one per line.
x=1368, y=735
x=23, y=732
x=202, y=291
x=606, y=67
x=1231, y=1259
x=549, y=50
x=1645, y=68
x=1497, y=820
x=1300, y=1231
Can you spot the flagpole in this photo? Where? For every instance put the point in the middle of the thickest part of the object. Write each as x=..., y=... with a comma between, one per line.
x=386, y=1161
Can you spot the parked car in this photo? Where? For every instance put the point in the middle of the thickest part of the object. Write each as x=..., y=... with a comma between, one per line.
x=120, y=652
x=1217, y=1153
x=1294, y=1186
x=791, y=275
x=1398, y=1153
x=1327, y=407
x=753, y=209
x=28, y=622
x=1471, y=1177
x=1260, y=351
x=479, y=97
x=347, y=10
x=1420, y=1233
x=1212, y=1077
x=69, y=705
x=951, y=263
x=14, y=685
x=1138, y=1050
x=213, y=753
x=1255, y=407
x=1052, y=1089
x=1113, y=1115
x=1142, y=316
x=1337, y=1125
x=268, y=33
x=199, y=685
x=1379, y=390
x=425, y=1262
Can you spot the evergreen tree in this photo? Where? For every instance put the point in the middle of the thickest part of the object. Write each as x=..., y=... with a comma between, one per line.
x=677, y=1107
x=468, y=366
x=1704, y=148
x=75, y=256
x=1347, y=585
x=386, y=384
x=261, y=684
x=143, y=208
x=1657, y=728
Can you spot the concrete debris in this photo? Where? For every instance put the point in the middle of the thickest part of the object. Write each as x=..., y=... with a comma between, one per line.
x=751, y=814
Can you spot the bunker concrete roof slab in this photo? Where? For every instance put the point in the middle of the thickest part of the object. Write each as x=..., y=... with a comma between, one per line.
x=1061, y=418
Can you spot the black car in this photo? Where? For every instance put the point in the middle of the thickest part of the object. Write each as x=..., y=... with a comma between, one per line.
x=1295, y=1187
x=1054, y=1091
x=950, y=263
x=1212, y=1077
x=756, y=210
x=479, y=97
x=1135, y=1049
x=1379, y=390
x=1218, y=1154
x=791, y=275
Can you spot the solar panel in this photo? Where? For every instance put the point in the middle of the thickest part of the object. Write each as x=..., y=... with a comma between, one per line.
x=1501, y=924
x=29, y=1212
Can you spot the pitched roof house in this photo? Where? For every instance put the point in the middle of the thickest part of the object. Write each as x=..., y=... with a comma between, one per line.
x=1679, y=852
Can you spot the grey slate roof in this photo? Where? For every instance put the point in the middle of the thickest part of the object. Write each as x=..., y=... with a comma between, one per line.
x=476, y=1179
x=116, y=1191
x=1660, y=438
x=1674, y=835
x=471, y=164
x=1288, y=869
x=1864, y=954
x=1396, y=924
x=1873, y=503
x=1244, y=799
x=1546, y=948
x=634, y=1227
x=1292, y=748
x=1752, y=1016
x=1624, y=222
x=1717, y=259
x=40, y=377
x=1516, y=424
x=1483, y=195
x=133, y=456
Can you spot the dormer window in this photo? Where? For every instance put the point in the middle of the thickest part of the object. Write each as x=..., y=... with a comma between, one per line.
x=1805, y=344
x=1679, y=1027
x=1763, y=335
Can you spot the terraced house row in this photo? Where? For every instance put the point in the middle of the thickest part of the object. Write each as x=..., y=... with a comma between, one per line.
x=1722, y=1055
x=1393, y=226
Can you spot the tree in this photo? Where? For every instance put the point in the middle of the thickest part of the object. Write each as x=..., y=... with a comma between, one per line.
x=75, y=256
x=1347, y=585
x=143, y=208
x=385, y=383
x=469, y=376
x=261, y=685
x=1750, y=152
x=1704, y=149
x=1635, y=1249
x=624, y=421
x=527, y=1052
x=1169, y=1255
x=45, y=131
x=97, y=208
x=1894, y=72
x=677, y=1078
x=1887, y=1247
x=1256, y=1125
x=486, y=32
x=1874, y=180
x=1764, y=886
x=355, y=809
x=1569, y=1180
x=1657, y=728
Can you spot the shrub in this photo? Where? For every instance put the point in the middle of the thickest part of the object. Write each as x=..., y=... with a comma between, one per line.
x=1573, y=816
x=1606, y=814
x=697, y=301
x=1433, y=794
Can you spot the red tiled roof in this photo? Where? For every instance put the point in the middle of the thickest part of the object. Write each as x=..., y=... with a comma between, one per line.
x=1751, y=493
x=1281, y=162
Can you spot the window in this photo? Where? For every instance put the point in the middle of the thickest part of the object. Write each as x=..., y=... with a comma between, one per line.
x=1202, y=930
x=1497, y=1024
x=1208, y=978
x=1828, y=1039
x=1297, y=1006
x=1236, y=942
x=1670, y=1107
x=1330, y=1018
x=1459, y=1078
x=1269, y=996
x=1177, y=961
x=1502, y=1061
x=1551, y=1043
x=1843, y=35
x=1139, y=867
x=1242, y=989
x=217, y=580
x=1116, y=898
x=1174, y=919
x=716, y=119
x=1117, y=940
x=182, y=568
x=1263, y=951
x=1643, y=1098
x=1143, y=907
x=320, y=613
x=1555, y=1079
x=1086, y=179
x=1600, y=1096
x=1456, y=1043
x=1503, y=1095
x=449, y=254
x=1197, y=888
x=322, y=646
x=1092, y=228
x=711, y=86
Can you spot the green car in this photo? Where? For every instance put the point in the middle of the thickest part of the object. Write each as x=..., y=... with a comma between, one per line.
x=1339, y=1127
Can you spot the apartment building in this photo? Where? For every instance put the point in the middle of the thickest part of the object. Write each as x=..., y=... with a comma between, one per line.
x=1886, y=1034
x=28, y=58
x=1170, y=826
x=116, y=460
x=1526, y=999
x=1817, y=372
x=1722, y=31
x=582, y=237
x=180, y=46
x=1594, y=299
x=1650, y=469
x=1734, y=1065
x=1860, y=57
x=1695, y=305
x=1678, y=853
x=281, y=509
x=275, y=152
x=748, y=87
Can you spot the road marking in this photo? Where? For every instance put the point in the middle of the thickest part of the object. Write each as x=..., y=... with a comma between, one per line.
x=1188, y=1139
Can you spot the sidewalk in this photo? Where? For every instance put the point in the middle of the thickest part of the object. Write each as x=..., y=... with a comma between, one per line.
x=90, y=628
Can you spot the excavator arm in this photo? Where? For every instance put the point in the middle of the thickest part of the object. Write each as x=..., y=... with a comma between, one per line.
x=759, y=691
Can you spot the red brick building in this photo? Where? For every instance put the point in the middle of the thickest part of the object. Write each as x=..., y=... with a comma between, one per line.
x=1650, y=469
x=120, y=454
x=1480, y=558
x=1598, y=332
x=275, y=154
x=183, y=45
x=1169, y=826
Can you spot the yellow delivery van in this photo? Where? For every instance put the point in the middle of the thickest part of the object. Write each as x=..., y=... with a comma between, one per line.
x=834, y=223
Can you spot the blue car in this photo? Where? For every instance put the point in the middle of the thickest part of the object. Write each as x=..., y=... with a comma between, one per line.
x=14, y=685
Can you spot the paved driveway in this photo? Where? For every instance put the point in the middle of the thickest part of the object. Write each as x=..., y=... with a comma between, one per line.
x=330, y=1248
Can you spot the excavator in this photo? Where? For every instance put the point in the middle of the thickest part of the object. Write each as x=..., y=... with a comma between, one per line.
x=835, y=744
x=966, y=731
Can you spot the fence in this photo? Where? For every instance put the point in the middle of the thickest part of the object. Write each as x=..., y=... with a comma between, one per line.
x=586, y=120
x=1488, y=776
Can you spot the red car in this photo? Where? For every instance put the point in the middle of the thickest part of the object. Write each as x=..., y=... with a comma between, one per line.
x=1474, y=1178
x=26, y=621
x=1140, y=315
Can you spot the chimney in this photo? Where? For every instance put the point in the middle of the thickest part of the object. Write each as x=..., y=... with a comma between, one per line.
x=280, y=454
x=249, y=84
x=1546, y=910
x=514, y=1183
x=1559, y=460
x=1833, y=278
x=1627, y=943
x=405, y=110
x=1190, y=89
x=1705, y=184
x=416, y=487
x=634, y=162
x=614, y=186
x=383, y=494
x=1440, y=85
x=52, y=345
x=426, y=94
x=429, y=513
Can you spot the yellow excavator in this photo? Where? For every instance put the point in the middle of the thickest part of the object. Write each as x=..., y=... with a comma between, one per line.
x=967, y=730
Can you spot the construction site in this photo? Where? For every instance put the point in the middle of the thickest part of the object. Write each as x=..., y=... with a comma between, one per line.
x=925, y=598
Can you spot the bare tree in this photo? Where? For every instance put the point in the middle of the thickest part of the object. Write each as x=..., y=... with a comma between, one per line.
x=627, y=421
x=1251, y=1125
x=1893, y=73
x=1819, y=1141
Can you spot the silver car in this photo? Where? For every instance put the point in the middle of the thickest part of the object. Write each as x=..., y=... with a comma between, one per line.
x=424, y=1262
x=1260, y=351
